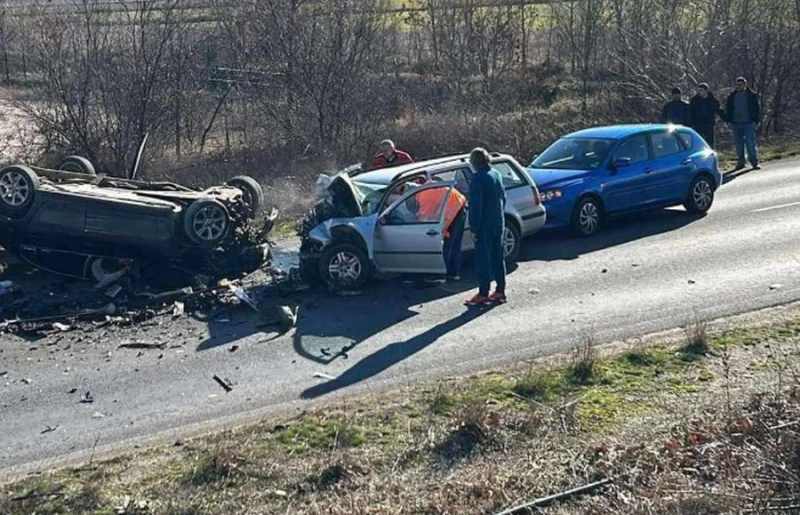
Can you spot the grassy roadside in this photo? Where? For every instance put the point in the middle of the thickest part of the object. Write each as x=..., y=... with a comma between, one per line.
x=769, y=150
x=669, y=423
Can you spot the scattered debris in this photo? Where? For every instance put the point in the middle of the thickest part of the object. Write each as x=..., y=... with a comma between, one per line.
x=604, y=271
x=241, y=295
x=3, y=373
x=223, y=383
x=6, y=287
x=534, y=291
x=87, y=398
x=61, y=327
x=233, y=348
x=25, y=380
x=323, y=375
x=98, y=414
x=636, y=265
x=72, y=390
x=49, y=429
x=281, y=316
x=545, y=501
x=775, y=286
x=691, y=281
x=178, y=309
x=142, y=345
x=114, y=291
x=105, y=278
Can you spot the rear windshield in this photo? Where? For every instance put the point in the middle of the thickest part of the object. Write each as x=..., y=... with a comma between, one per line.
x=574, y=154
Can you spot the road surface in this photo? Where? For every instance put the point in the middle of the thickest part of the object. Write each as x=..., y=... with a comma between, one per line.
x=640, y=276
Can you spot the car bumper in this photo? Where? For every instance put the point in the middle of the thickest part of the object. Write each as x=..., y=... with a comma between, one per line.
x=559, y=213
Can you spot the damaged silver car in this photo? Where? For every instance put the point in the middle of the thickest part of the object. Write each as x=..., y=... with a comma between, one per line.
x=60, y=220
x=369, y=223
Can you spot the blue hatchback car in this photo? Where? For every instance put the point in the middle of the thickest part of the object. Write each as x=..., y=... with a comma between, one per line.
x=590, y=176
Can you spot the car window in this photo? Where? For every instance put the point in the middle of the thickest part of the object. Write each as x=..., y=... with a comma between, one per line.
x=688, y=140
x=665, y=144
x=510, y=175
x=423, y=207
x=461, y=176
x=634, y=148
x=574, y=154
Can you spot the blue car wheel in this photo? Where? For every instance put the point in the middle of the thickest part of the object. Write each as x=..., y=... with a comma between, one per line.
x=587, y=217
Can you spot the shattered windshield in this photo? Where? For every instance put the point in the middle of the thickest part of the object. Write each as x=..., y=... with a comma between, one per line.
x=369, y=196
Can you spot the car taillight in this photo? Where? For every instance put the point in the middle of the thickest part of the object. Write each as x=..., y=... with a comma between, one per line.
x=536, y=197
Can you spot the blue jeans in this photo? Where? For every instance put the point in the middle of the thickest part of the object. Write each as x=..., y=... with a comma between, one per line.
x=490, y=263
x=452, y=245
x=744, y=135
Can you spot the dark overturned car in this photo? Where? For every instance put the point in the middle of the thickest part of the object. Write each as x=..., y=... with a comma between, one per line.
x=67, y=220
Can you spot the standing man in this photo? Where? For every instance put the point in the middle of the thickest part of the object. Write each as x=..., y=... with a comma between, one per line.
x=703, y=110
x=487, y=202
x=390, y=156
x=676, y=111
x=743, y=112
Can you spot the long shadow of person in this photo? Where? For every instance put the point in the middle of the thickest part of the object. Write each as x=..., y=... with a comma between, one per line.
x=391, y=355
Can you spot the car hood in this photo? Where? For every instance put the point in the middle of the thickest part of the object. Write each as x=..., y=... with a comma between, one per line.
x=344, y=194
x=547, y=179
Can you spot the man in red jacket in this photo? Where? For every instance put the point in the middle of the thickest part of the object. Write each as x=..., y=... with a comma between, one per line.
x=390, y=156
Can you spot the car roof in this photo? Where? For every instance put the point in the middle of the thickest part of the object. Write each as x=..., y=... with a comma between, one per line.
x=389, y=175
x=617, y=131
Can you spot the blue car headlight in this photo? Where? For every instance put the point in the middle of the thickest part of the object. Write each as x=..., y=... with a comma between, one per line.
x=551, y=195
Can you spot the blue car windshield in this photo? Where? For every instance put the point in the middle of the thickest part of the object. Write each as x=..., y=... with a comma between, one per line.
x=574, y=154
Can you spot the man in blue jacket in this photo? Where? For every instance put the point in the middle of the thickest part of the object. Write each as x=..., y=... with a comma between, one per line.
x=486, y=208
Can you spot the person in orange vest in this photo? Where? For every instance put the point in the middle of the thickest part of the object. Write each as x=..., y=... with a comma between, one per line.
x=430, y=202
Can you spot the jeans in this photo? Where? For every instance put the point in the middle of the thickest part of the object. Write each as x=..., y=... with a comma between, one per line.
x=452, y=245
x=490, y=263
x=744, y=135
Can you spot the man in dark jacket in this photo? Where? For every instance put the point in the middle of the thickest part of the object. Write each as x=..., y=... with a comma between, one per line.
x=703, y=111
x=486, y=208
x=743, y=112
x=676, y=111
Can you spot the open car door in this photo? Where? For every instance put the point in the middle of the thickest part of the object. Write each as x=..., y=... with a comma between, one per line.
x=409, y=237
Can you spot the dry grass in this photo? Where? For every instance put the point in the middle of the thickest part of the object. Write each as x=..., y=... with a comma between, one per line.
x=680, y=436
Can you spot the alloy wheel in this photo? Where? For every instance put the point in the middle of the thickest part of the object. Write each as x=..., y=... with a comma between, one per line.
x=702, y=195
x=209, y=223
x=345, y=268
x=589, y=218
x=14, y=189
x=509, y=242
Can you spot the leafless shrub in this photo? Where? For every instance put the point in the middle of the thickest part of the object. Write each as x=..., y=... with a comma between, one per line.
x=697, y=338
x=583, y=369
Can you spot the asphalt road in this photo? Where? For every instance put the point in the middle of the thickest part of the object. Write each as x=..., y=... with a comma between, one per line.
x=640, y=276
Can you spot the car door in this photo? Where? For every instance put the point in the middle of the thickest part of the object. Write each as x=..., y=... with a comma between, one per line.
x=462, y=177
x=522, y=201
x=671, y=169
x=409, y=241
x=629, y=174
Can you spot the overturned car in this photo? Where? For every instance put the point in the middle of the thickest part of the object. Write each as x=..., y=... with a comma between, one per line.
x=370, y=222
x=63, y=220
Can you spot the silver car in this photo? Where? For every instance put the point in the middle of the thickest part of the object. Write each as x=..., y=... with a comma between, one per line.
x=369, y=221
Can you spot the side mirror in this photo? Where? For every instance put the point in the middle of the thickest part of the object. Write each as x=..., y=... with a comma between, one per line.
x=382, y=220
x=622, y=162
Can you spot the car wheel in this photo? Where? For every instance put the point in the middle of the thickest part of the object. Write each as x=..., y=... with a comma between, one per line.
x=701, y=195
x=206, y=222
x=344, y=267
x=252, y=192
x=77, y=164
x=18, y=186
x=587, y=217
x=512, y=240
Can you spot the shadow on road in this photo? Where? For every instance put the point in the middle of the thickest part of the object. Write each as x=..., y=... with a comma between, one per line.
x=330, y=326
x=391, y=355
x=558, y=246
x=735, y=174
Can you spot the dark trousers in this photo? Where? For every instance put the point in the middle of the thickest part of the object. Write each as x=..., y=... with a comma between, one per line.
x=452, y=245
x=490, y=264
x=707, y=133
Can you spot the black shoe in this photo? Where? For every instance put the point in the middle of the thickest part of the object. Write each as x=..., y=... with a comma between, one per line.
x=756, y=167
x=739, y=166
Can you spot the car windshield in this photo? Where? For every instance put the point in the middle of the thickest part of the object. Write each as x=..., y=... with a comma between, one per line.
x=370, y=195
x=574, y=154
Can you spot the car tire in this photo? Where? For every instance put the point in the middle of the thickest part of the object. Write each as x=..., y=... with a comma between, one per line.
x=344, y=266
x=77, y=164
x=253, y=194
x=18, y=187
x=700, y=196
x=206, y=222
x=512, y=241
x=587, y=217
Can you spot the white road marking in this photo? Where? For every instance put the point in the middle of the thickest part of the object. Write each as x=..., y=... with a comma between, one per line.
x=775, y=207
